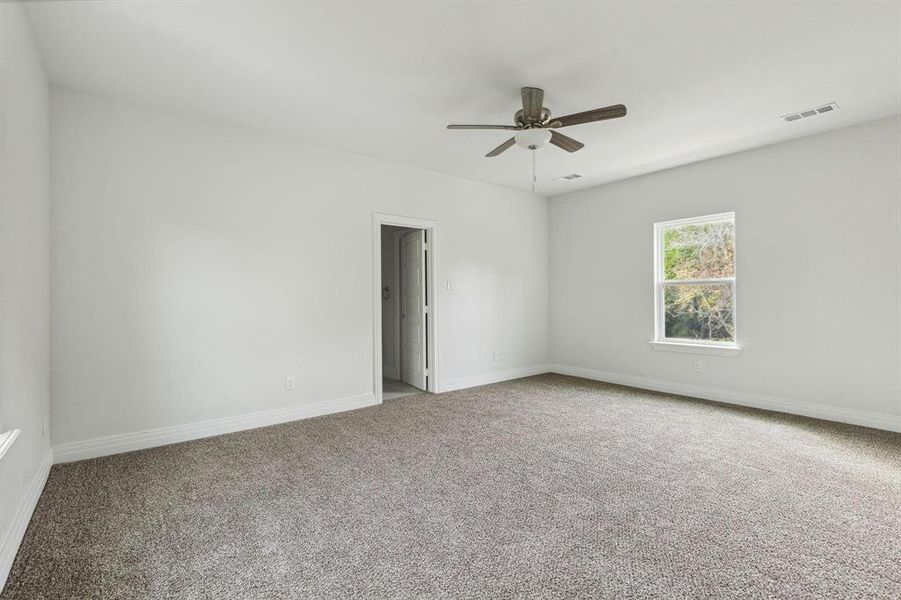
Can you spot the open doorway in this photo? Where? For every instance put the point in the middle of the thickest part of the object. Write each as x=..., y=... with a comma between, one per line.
x=405, y=356
x=405, y=314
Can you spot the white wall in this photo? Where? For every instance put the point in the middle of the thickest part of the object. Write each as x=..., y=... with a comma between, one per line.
x=196, y=265
x=24, y=275
x=818, y=228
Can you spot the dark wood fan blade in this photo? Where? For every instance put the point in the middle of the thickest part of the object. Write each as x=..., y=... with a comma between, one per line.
x=599, y=114
x=507, y=127
x=532, y=100
x=501, y=148
x=565, y=142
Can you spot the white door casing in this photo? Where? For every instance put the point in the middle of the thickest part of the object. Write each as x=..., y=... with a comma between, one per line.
x=413, y=308
x=433, y=269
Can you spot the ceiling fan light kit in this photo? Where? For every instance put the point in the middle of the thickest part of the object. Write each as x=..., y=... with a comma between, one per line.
x=532, y=139
x=535, y=127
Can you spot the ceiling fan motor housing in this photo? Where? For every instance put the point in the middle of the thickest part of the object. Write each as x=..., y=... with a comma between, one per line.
x=519, y=120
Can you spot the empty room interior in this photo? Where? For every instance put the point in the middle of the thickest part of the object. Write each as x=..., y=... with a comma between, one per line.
x=388, y=299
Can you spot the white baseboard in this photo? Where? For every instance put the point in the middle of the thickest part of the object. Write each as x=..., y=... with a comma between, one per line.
x=139, y=440
x=449, y=385
x=796, y=407
x=127, y=442
x=9, y=546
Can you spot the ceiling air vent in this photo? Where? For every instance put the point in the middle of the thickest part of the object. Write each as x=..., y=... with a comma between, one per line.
x=568, y=177
x=810, y=112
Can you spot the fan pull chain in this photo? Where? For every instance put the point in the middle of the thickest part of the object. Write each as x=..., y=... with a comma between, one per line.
x=533, y=170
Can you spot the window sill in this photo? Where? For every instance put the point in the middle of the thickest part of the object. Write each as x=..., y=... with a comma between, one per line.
x=689, y=348
x=6, y=441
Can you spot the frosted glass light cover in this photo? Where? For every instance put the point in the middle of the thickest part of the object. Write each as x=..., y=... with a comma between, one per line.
x=532, y=137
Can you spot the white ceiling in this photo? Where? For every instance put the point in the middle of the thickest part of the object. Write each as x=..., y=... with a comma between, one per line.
x=700, y=79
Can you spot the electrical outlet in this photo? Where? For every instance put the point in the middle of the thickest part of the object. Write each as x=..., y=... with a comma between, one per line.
x=450, y=284
x=45, y=425
x=699, y=367
x=496, y=355
x=290, y=384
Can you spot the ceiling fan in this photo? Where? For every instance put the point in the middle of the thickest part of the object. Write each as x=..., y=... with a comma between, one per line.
x=534, y=127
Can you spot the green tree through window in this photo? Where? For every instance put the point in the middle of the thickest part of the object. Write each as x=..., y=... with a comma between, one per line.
x=696, y=279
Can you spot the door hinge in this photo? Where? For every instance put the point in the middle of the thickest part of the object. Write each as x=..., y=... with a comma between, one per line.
x=426, y=372
x=425, y=310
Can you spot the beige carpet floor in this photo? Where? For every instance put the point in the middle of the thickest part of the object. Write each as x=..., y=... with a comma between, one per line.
x=549, y=486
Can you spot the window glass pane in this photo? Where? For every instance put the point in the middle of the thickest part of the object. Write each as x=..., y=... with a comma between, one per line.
x=699, y=251
x=699, y=312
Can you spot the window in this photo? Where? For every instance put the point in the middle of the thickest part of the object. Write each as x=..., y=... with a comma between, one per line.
x=695, y=281
x=6, y=440
x=6, y=437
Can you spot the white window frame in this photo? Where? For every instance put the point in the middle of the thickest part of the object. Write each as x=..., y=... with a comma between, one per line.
x=6, y=441
x=661, y=342
x=6, y=437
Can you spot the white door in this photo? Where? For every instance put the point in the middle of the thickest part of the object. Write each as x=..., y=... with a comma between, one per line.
x=413, y=309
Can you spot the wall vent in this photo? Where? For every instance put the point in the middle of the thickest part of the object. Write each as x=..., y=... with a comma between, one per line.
x=568, y=177
x=810, y=112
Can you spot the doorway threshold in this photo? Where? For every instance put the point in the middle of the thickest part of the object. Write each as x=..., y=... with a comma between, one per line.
x=392, y=388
